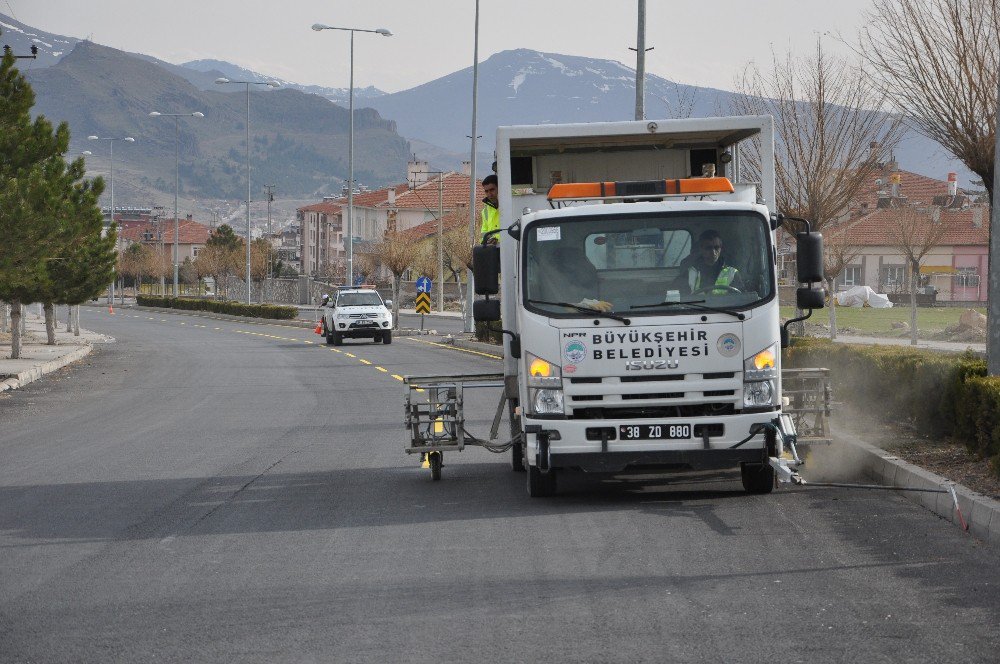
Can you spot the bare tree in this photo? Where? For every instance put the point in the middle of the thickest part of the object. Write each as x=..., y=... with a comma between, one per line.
x=458, y=257
x=937, y=60
x=913, y=233
x=829, y=135
x=396, y=253
x=680, y=103
x=838, y=253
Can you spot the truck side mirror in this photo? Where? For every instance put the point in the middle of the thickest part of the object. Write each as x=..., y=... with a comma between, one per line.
x=809, y=256
x=486, y=311
x=486, y=269
x=810, y=298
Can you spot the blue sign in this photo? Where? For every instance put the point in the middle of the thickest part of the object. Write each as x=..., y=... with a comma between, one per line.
x=358, y=280
x=424, y=285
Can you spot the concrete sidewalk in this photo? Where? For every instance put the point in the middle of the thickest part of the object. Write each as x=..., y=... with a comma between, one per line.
x=38, y=358
x=945, y=346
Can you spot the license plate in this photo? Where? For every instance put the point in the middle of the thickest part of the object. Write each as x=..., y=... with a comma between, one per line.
x=654, y=431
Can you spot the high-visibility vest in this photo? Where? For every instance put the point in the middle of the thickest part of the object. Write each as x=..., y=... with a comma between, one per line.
x=726, y=276
x=490, y=220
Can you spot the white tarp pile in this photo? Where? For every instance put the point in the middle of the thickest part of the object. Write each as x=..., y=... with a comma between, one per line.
x=862, y=296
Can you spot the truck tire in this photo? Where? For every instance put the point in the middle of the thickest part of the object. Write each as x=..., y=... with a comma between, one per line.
x=338, y=338
x=517, y=458
x=434, y=458
x=328, y=336
x=758, y=478
x=541, y=484
x=387, y=337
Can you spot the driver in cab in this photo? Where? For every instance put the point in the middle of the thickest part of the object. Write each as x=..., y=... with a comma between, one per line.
x=707, y=271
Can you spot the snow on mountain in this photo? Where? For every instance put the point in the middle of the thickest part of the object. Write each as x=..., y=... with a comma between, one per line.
x=229, y=70
x=21, y=38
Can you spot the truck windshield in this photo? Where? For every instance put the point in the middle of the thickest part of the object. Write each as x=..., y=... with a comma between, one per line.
x=359, y=300
x=636, y=264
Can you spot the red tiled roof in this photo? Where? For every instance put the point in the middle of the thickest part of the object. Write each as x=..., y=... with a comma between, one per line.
x=457, y=218
x=325, y=207
x=915, y=187
x=425, y=195
x=188, y=231
x=873, y=229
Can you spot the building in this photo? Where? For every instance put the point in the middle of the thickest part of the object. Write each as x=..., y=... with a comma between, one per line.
x=158, y=234
x=320, y=241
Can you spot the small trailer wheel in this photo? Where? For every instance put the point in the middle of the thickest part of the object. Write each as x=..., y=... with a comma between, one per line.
x=434, y=458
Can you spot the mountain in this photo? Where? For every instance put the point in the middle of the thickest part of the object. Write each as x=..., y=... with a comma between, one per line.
x=298, y=141
x=529, y=87
x=337, y=95
x=21, y=37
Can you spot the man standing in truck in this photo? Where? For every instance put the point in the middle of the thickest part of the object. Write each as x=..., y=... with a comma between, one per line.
x=491, y=209
x=707, y=270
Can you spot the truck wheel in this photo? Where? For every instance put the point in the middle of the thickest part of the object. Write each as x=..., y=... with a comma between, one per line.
x=541, y=484
x=517, y=458
x=338, y=338
x=387, y=337
x=434, y=458
x=758, y=478
x=328, y=336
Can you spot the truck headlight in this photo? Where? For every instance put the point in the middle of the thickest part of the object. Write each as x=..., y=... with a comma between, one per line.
x=762, y=365
x=545, y=391
x=542, y=373
x=758, y=393
x=547, y=402
x=759, y=373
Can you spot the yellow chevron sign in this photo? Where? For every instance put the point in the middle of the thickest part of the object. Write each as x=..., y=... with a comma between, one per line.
x=423, y=303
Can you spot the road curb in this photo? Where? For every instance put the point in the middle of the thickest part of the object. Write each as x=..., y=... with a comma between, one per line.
x=36, y=372
x=981, y=513
x=478, y=346
x=306, y=324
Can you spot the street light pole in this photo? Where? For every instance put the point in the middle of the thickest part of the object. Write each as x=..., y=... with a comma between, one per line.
x=349, y=230
x=111, y=143
x=271, y=84
x=473, y=236
x=270, y=198
x=176, y=116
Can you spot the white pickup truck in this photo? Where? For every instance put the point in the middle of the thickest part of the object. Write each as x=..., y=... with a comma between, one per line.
x=357, y=313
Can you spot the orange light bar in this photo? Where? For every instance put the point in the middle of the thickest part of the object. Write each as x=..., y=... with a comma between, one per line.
x=640, y=189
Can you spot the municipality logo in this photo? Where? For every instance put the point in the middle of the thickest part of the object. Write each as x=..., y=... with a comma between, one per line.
x=729, y=345
x=576, y=351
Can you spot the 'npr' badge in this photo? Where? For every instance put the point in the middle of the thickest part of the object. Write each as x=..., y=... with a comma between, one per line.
x=575, y=351
x=729, y=345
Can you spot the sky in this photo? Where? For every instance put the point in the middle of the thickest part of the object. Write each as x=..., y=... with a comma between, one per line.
x=694, y=42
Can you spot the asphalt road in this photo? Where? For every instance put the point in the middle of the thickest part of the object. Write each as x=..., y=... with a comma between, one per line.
x=209, y=491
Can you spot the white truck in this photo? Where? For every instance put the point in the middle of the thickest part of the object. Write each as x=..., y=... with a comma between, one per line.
x=616, y=356
x=636, y=268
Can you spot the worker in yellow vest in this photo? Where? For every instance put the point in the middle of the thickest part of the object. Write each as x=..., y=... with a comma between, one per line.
x=491, y=209
x=707, y=270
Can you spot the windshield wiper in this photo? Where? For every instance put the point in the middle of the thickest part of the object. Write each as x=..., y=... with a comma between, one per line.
x=694, y=304
x=586, y=310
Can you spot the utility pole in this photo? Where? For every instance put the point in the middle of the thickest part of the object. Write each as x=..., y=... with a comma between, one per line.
x=470, y=296
x=640, y=64
x=270, y=199
x=993, y=296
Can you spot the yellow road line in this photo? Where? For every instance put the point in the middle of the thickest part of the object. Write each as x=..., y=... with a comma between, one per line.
x=363, y=361
x=461, y=350
x=349, y=354
x=397, y=376
x=382, y=369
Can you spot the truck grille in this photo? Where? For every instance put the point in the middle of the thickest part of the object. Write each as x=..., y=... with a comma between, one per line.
x=637, y=397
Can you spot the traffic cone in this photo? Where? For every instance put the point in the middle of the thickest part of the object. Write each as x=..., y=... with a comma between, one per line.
x=319, y=328
x=111, y=309
x=424, y=460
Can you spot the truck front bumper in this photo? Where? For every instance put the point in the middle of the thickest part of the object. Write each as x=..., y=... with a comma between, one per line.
x=573, y=444
x=613, y=462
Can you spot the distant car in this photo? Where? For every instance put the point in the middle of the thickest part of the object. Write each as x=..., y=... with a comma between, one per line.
x=357, y=313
